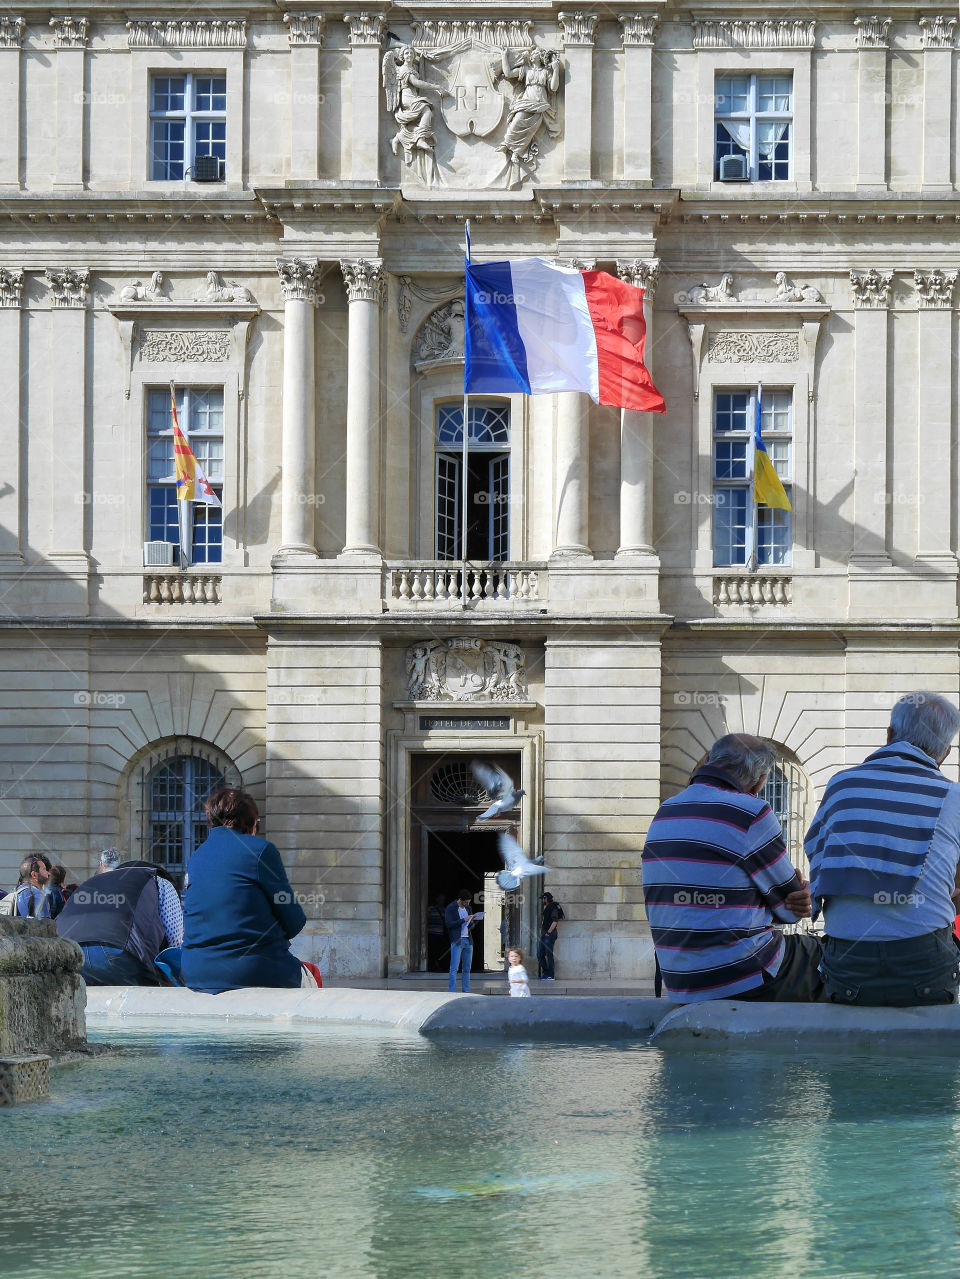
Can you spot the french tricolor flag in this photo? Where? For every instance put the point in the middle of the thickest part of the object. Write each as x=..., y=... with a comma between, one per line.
x=537, y=327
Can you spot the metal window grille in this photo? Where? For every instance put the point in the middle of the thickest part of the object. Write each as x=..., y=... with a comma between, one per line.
x=786, y=793
x=174, y=789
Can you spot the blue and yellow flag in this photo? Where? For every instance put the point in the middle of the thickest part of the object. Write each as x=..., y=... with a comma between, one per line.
x=767, y=488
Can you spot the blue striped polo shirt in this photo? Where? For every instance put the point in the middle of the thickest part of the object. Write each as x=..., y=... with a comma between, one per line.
x=715, y=874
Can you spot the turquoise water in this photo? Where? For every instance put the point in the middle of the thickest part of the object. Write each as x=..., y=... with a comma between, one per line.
x=270, y=1153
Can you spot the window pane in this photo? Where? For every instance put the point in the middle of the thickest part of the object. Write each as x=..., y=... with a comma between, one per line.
x=207, y=534
x=210, y=138
x=166, y=150
x=163, y=524
x=500, y=507
x=730, y=526
x=730, y=460
x=489, y=424
x=730, y=411
x=168, y=94
x=732, y=94
x=158, y=410
x=775, y=411
x=773, y=535
x=210, y=93
x=206, y=410
x=774, y=93
x=160, y=465
x=448, y=506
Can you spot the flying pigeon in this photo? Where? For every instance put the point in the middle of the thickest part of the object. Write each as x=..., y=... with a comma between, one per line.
x=498, y=785
x=517, y=863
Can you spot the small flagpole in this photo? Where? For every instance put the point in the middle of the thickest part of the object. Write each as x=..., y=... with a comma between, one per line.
x=756, y=514
x=466, y=436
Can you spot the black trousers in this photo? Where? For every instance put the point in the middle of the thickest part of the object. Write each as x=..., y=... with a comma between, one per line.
x=893, y=974
x=798, y=980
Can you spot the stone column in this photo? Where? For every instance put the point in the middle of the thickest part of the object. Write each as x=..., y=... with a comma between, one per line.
x=935, y=398
x=11, y=287
x=68, y=344
x=366, y=33
x=572, y=462
x=364, y=282
x=70, y=38
x=871, y=298
x=938, y=110
x=872, y=44
x=305, y=32
x=577, y=31
x=11, y=38
x=298, y=441
x=636, y=434
x=638, y=29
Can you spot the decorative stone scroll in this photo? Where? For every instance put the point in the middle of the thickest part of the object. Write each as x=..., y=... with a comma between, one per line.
x=577, y=28
x=641, y=274
x=871, y=289
x=299, y=279
x=466, y=669
x=11, y=32
x=70, y=33
x=441, y=336
x=638, y=28
x=748, y=347
x=366, y=28
x=11, y=287
x=69, y=287
x=872, y=33
x=187, y=33
x=305, y=28
x=935, y=289
x=938, y=32
x=754, y=33
x=364, y=280
x=175, y=346
x=219, y=290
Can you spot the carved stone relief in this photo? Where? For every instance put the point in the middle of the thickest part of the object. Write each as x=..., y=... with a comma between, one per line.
x=198, y=346
x=305, y=28
x=935, y=289
x=140, y=292
x=641, y=274
x=441, y=336
x=70, y=33
x=764, y=347
x=871, y=289
x=365, y=28
x=754, y=33
x=408, y=289
x=466, y=670
x=11, y=32
x=11, y=287
x=219, y=290
x=699, y=294
x=577, y=28
x=299, y=279
x=187, y=33
x=364, y=280
x=788, y=291
x=938, y=32
x=69, y=287
x=872, y=33
x=638, y=28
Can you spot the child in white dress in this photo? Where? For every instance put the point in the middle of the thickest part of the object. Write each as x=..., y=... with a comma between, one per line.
x=519, y=981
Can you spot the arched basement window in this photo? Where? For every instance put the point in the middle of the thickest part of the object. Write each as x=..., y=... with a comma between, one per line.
x=174, y=788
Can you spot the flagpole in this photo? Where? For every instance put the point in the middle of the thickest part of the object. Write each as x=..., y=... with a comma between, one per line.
x=756, y=514
x=466, y=435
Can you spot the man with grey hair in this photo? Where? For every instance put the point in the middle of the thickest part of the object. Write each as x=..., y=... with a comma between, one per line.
x=884, y=848
x=715, y=876
x=110, y=859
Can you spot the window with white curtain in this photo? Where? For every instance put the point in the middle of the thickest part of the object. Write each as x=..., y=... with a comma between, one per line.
x=754, y=118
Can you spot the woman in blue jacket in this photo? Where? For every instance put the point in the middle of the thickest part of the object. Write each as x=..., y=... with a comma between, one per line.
x=239, y=911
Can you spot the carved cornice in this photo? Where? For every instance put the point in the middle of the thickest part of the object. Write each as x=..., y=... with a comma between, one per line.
x=366, y=28
x=187, y=33
x=513, y=34
x=70, y=33
x=299, y=279
x=69, y=287
x=638, y=28
x=938, y=32
x=305, y=28
x=872, y=33
x=577, y=28
x=11, y=287
x=11, y=32
x=641, y=274
x=935, y=289
x=871, y=289
x=364, y=280
x=754, y=33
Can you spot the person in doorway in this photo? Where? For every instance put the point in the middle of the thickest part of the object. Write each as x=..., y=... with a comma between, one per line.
x=517, y=974
x=552, y=914
x=459, y=921
x=436, y=936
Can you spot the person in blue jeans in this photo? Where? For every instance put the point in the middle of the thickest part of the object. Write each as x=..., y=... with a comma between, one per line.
x=459, y=922
x=552, y=914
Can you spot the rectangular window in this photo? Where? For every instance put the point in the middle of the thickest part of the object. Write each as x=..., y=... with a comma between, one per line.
x=188, y=118
x=745, y=534
x=754, y=121
x=488, y=483
x=200, y=414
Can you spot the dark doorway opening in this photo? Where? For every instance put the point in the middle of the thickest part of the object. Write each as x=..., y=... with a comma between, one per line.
x=458, y=859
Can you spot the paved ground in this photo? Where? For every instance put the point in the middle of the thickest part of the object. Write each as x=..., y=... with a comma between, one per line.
x=493, y=984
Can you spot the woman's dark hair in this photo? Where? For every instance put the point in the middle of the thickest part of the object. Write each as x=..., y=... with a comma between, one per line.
x=58, y=874
x=231, y=807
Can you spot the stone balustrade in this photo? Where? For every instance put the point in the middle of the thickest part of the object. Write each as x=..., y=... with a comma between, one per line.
x=440, y=583
x=752, y=589
x=181, y=588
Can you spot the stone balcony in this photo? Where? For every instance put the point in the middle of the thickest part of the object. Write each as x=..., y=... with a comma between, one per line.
x=442, y=584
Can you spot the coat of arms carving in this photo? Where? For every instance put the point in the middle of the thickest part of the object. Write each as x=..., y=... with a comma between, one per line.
x=466, y=669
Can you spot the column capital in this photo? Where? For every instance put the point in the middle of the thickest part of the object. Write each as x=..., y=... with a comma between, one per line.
x=69, y=287
x=11, y=32
x=935, y=289
x=366, y=28
x=577, y=28
x=872, y=33
x=11, y=287
x=299, y=279
x=579, y=264
x=305, y=28
x=641, y=273
x=871, y=289
x=638, y=28
x=364, y=280
x=938, y=32
x=70, y=33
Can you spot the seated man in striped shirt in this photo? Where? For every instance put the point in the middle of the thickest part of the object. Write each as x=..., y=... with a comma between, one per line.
x=884, y=849
x=715, y=876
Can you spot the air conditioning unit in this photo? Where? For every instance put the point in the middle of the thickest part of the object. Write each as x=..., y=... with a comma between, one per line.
x=159, y=554
x=207, y=168
x=733, y=168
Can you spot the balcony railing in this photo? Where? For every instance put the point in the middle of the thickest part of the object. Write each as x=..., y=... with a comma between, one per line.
x=753, y=589
x=181, y=588
x=442, y=584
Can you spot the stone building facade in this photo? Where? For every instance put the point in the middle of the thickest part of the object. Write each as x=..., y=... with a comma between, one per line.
x=266, y=209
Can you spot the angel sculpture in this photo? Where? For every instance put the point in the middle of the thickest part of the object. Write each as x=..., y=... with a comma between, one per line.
x=538, y=73
x=412, y=112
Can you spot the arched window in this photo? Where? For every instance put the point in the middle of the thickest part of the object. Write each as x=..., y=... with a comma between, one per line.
x=787, y=792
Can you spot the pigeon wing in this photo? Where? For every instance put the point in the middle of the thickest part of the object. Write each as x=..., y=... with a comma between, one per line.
x=492, y=778
x=507, y=881
x=511, y=852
